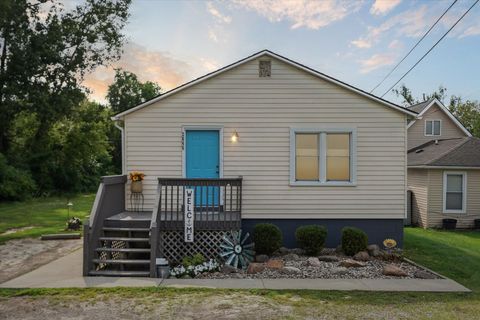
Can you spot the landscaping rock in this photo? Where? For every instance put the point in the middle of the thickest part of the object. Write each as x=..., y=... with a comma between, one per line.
x=362, y=256
x=422, y=274
x=261, y=258
x=291, y=257
x=254, y=268
x=282, y=251
x=329, y=258
x=291, y=270
x=275, y=264
x=328, y=251
x=350, y=263
x=314, y=262
x=339, y=270
x=393, y=270
x=298, y=251
x=374, y=250
x=227, y=269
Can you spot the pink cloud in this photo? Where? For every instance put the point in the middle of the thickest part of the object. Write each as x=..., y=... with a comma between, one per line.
x=376, y=61
x=381, y=7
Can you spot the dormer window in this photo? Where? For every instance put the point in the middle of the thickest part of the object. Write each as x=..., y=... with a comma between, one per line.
x=433, y=127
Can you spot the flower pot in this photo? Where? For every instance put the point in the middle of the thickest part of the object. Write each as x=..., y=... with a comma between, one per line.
x=449, y=224
x=136, y=187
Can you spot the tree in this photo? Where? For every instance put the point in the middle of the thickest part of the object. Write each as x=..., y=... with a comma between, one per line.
x=45, y=52
x=127, y=91
x=406, y=94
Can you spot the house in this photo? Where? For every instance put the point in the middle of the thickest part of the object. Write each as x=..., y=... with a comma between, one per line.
x=443, y=168
x=264, y=139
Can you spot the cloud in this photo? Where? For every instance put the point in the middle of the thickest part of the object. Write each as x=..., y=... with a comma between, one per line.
x=376, y=61
x=410, y=23
x=395, y=45
x=361, y=43
x=148, y=65
x=381, y=7
x=212, y=35
x=219, y=16
x=302, y=13
x=471, y=31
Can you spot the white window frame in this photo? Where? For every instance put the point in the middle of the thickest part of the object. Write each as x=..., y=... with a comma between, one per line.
x=433, y=128
x=322, y=132
x=464, y=191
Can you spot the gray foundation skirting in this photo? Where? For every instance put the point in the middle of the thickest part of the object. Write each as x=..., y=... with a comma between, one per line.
x=376, y=229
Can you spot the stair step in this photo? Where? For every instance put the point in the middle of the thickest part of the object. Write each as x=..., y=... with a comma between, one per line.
x=124, y=239
x=112, y=273
x=147, y=250
x=121, y=261
x=126, y=229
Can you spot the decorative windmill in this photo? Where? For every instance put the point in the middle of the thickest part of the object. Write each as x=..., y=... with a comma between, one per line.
x=235, y=252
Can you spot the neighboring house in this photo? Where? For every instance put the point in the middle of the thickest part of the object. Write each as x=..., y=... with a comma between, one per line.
x=309, y=149
x=443, y=168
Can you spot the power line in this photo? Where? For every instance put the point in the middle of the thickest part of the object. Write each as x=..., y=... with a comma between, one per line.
x=436, y=43
x=418, y=42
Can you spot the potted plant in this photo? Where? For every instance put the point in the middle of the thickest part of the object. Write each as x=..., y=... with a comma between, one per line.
x=137, y=177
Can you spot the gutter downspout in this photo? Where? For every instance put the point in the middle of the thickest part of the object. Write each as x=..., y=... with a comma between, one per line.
x=122, y=130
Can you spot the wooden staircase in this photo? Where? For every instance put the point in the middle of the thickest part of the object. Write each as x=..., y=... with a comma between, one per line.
x=123, y=249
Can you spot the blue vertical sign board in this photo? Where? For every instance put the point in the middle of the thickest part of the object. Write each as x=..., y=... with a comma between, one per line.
x=189, y=217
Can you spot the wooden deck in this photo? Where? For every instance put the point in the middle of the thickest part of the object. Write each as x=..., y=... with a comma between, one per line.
x=169, y=220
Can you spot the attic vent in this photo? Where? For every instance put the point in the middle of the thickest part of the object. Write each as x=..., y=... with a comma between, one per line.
x=265, y=69
x=419, y=150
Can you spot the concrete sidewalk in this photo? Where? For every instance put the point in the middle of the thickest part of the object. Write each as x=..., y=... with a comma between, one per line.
x=66, y=272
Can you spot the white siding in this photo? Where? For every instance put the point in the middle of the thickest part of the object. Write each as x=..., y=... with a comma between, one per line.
x=262, y=111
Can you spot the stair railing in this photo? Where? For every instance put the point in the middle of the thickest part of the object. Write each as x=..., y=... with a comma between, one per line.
x=109, y=201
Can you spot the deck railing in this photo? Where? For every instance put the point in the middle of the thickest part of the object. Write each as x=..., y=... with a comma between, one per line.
x=218, y=203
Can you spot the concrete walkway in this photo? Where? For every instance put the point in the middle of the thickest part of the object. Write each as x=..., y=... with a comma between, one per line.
x=66, y=272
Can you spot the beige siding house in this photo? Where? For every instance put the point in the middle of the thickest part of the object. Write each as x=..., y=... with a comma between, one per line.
x=310, y=149
x=443, y=168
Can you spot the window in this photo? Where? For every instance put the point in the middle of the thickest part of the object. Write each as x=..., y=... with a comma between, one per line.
x=433, y=127
x=322, y=157
x=454, y=192
x=338, y=157
x=306, y=162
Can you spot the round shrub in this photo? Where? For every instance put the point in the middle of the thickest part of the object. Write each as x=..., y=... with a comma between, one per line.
x=354, y=240
x=311, y=238
x=267, y=237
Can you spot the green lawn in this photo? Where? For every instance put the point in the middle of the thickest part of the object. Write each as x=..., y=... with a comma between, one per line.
x=45, y=215
x=453, y=254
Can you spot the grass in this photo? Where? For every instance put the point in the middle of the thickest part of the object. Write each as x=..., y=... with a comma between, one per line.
x=44, y=215
x=453, y=254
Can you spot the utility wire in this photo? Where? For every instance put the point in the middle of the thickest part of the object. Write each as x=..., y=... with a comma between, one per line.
x=418, y=42
x=436, y=43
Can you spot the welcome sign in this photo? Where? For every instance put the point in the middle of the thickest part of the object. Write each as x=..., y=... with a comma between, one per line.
x=189, y=216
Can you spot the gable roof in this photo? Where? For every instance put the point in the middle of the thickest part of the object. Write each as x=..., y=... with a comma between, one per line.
x=276, y=56
x=423, y=107
x=458, y=152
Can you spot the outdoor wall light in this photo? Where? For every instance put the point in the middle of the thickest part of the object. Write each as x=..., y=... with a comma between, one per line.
x=235, y=136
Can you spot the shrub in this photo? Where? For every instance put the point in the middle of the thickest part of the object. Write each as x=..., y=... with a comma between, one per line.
x=311, y=238
x=354, y=240
x=15, y=184
x=267, y=237
x=194, y=260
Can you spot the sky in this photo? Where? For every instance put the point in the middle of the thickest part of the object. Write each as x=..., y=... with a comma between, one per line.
x=358, y=42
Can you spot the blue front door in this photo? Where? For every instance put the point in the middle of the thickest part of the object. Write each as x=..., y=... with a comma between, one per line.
x=203, y=161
